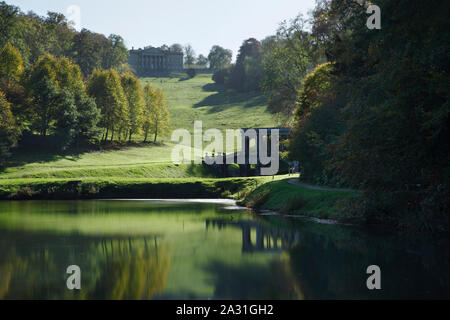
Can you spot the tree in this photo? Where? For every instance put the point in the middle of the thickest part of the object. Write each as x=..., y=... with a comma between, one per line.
x=94, y=51
x=176, y=47
x=191, y=72
x=61, y=105
x=8, y=22
x=250, y=53
x=149, y=100
x=219, y=58
x=318, y=125
x=87, y=52
x=135, y=96
x=46, y=100
x=106, y=88
x=115, y=54
x=11, y=63
x=9, y=132
x=287, y=59
x=395, y=102
x=222, y=76
x=64, y=73
x=88, y=117
x=156, y=114
x=49, y=77
x=202, y=61
x=189, y=55
x=65, y=119
x=11, y=76
x=254, y=72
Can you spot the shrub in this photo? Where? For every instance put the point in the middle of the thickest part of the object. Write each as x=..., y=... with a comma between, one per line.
x=191, y=73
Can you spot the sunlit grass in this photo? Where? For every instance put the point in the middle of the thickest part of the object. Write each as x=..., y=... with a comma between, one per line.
x=201, y=99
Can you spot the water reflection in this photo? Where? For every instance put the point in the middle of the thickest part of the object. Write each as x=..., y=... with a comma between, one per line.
x=268, y=238
x=111, y=268
x=157, y=250
x=329, y=261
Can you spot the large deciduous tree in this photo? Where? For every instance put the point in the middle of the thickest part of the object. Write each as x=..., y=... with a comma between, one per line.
x=189, y=56
x=219, y=58
x=318, y=125
x=9, y=131
x=244, y=75
x=11, y=80
x=61, y=106
x=106, y=88
x=156, y=114
x=135, y=96
x=287, y=58
x=202, y=61
x=11, y=63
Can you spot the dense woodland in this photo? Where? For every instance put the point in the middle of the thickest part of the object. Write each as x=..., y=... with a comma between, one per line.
x=375, y=116
x=369, y=108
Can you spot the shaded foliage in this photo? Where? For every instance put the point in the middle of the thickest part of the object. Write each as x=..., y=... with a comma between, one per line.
x=394, y=98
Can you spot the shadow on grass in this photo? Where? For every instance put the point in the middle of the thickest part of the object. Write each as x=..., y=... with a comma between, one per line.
x=224, y=98
x=184, y=78
x=24, y=156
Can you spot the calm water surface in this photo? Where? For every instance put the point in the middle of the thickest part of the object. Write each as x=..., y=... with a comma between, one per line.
x=197, y=250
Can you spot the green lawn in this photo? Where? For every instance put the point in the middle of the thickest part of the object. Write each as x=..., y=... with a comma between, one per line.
x=201, y=99
x=150, y=161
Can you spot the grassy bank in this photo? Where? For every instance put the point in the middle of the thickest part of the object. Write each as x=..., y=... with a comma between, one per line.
x=286, y=198
x=101, y=188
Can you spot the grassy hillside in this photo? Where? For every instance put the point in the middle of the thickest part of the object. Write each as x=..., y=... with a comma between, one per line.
x=188, y=100
x=151, y=161
x=201, y=99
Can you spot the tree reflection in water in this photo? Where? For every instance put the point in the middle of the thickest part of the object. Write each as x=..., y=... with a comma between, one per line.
x=196, y=253
x=330, y=261
x=127, y=268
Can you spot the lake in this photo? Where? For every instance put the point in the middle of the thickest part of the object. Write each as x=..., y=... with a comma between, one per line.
x=152, y=249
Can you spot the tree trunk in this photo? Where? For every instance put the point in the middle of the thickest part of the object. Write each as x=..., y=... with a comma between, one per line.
x=156, y=133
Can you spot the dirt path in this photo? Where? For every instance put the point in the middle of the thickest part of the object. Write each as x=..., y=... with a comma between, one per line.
x=295, y=182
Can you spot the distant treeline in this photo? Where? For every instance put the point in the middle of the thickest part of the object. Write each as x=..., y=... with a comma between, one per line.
x=276, y=65
x=60, y=88
x=35, y=36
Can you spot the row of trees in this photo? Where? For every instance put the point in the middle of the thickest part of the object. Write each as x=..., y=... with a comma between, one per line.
x=126, y=107
x=246, y=74
x=376, y=115
x=276, y=65
x=35, y=36
x=52, y=99
x=217, y=59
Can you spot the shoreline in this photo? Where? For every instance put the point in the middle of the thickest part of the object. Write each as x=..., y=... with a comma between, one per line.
x=125, y=188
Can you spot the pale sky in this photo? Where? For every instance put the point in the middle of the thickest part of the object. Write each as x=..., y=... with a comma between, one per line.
x=201, y=23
